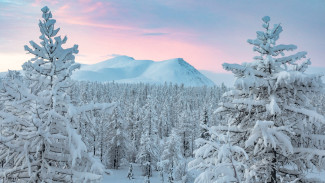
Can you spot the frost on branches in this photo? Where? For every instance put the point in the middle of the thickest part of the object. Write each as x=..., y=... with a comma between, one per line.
x=148, y=151
x=218, y=159
x=270, y=115
x=172, y=160
x=38, y=141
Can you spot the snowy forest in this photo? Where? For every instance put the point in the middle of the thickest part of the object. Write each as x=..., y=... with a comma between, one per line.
x=268, y=127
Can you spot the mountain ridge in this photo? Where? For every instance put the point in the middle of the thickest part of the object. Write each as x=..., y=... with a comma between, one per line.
x=125, y=69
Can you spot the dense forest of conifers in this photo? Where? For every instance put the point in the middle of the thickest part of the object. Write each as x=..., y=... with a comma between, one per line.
x=137, y=128
x=153, y=125
x=268, y=128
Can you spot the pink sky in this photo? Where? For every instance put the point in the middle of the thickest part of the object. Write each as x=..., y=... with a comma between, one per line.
x=205, y=34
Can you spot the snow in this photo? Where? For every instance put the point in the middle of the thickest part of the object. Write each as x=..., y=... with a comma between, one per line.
x=269, y=134
x=317, y=176
x=120, y=176
x=273, y=107
x=267, y=114
x=312, y=114
x=266, y=19
x=124, y=69
x=271, y=103
x=292, y=58
x=45, y=146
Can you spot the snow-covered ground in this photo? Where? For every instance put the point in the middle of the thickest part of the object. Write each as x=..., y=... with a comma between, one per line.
x=120, y=176
x=318, y=176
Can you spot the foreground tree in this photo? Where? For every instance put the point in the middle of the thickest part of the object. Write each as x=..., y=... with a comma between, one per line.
x=269, y=114
x=38, y=140
x=218, y=159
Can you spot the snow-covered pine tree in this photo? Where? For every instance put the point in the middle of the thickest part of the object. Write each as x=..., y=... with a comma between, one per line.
x=274, y=93
x=186, y=132
x=39, y=143
x=17, y=129
x=102, y=136
x=118, y=141
x=218, y=159
x=172, y=158
x=134, y=131
x=148, y=151
x=204, y=123
x=165, y=119
x=270, y=115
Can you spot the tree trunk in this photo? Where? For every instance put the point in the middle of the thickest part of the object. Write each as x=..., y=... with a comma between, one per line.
x=94, y=145
x=101, y=150
x=273, y=172
x=184, y=145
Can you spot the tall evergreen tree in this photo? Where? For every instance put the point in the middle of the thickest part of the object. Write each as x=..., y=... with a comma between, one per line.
x=204, y=124
x=172, y=158
x=270, y=115
x=186, y=132
x=148, y=151
x=118, y=141
x=38, y=139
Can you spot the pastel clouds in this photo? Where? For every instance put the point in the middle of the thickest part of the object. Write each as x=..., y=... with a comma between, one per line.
x=204, y=33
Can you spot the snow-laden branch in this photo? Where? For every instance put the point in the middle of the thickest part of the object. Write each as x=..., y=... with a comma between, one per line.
x=77, y=110
x=314, y=116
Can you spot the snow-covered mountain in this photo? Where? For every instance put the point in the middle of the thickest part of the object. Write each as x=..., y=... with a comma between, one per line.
x=124, y=69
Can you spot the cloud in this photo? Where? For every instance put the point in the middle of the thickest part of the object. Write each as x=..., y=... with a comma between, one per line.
x=206, y=33
x=155, y=34
x=87, y=9
x=10, y=2
x=80, y=21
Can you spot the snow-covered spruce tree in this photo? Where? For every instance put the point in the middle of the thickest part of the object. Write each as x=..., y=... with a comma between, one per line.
x=118, y=141
x=92, y=124
x=38, y=141
x=172, y=159
x=186, y=132
x=204, y=124
x=148, y=151
x=16, y=127
x=218, y=159
x=134, y=130
x=270, y=115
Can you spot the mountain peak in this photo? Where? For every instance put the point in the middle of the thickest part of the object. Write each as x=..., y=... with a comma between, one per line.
x=128, y=70
x=175, y=60
x=122, y=57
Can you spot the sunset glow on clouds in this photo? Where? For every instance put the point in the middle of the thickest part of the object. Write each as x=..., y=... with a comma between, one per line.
x=204, y=33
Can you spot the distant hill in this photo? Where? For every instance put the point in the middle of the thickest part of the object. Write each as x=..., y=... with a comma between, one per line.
x=124, y=69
